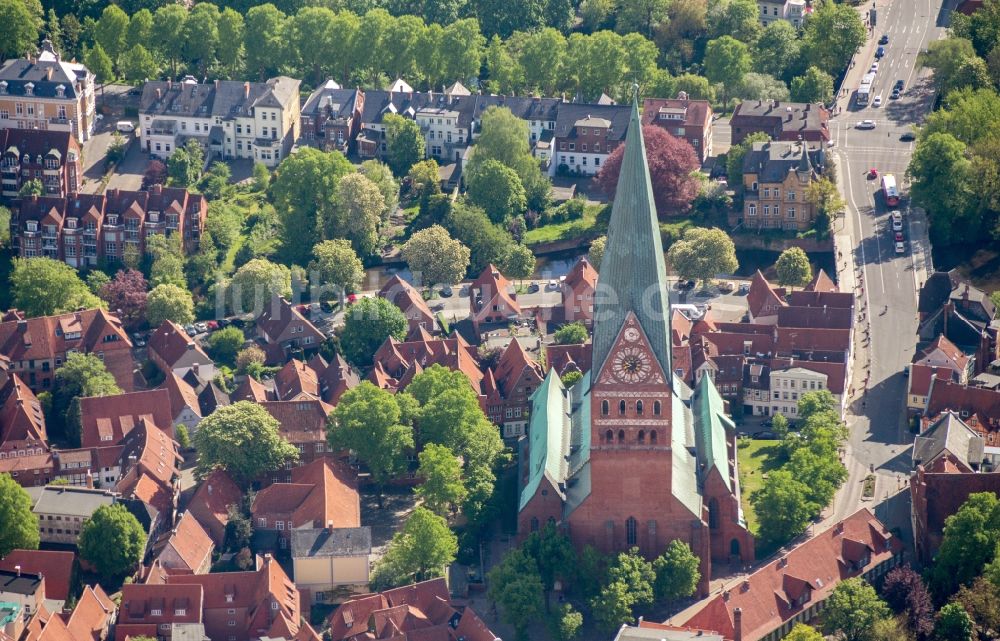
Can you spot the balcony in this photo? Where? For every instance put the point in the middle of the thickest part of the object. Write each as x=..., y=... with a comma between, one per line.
x=58, y=121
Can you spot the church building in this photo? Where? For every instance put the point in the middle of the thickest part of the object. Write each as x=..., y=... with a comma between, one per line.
x=630, y=456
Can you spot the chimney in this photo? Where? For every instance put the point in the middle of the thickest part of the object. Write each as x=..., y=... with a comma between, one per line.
x=159, y=94
x=170, y=84
x=194, y=368
x=737, y=624
x=246, y=90
x=329, y=527
x=48, y=73
x=90, y=480
x=216, y=84
x=17, y=568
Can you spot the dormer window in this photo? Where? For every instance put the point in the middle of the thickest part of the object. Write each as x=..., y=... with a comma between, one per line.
x=3, y=86
x=29, y=89
x=61, y=91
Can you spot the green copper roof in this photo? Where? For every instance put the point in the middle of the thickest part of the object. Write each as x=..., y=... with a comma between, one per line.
x=710, y=423
x=632, y=275
x=549, y=436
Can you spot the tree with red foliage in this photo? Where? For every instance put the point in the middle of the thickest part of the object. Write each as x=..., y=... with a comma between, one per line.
x=126, y=296
x=672, y=162
x=155, y=174
x=905, y=592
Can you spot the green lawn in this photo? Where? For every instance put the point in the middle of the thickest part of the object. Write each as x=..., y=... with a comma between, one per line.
x=755, y=459
x=579, y=228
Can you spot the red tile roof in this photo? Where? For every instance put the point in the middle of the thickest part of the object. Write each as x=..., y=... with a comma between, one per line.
x=211, y=501
x=294, y=379
x=406, y=297
x=105, y=420
x=947, y=395
x=697, y=113
x=22, y=423
x=821, y=282
x=491, y=288
x=322, y=492
x=190, y=543
x=767, y=598
x=149, y=463
x=251, y=390
x=139, y=600
x=92, y=615
x=301, y=421
x=182, y=394
x=763, y=299
x=512, y=365
x=170, y=342
x=393, y=359
x=278, y=315
x=942, y=348
x=581, y=275
x=921, y=376
x=56, y=567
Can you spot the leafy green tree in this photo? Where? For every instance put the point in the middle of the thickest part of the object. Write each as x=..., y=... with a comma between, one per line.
x=801, y=631
x=703, y=253
x=942, y=183
x=112, y=540
x=139, y=65
x=45, y=286
x=737, y=18
x=70, y=39
x=498, y=190
x=264, y=34
x=224, y=222
x=567, y=623
x=98, y=61
x=215, y=182
x=248, y=357
x=255, y=283
x=368, y=422
x=226, y=343
x=201, y=36
x=785, y=500
x=18, y=29
x=779, y=425
x=168, y=260
x=981, y=601
x=381, y=175
x=571, y=334
x=96, y=280
x=310, y=29
x=831, y=36
x=306, y=193
x=182, y=437
x=637, y=573
x=504, y=138
x=20, y=530
x=242, y=439
x=111, y=31
x=569, y=379
x=776, y=51
x=677, y=572
x=824, y=195
x=520, y=262
x=793, y=267
x=462, y=47
x=814, y=402
x=969, y=543
x=404, y=143
x=596, y=253
x=541, y=58
x=435, y=257
x=488, y=243
x=442, y=489
x=759, y=86
x=367, y=324
x=612, y=606
x=514, y=584
x=506, y=75
x=168, y=33
x=421, y=550
x=33, y=187
x=852, y=609
x=553, y=555
x=953, y=624
x=815, y=85
x=336, y=263
x=727, y=61
x=946, y=57
x=696, y=87
x=424, y=179
x=642, y=16
x=140, y=29
x=357, y=213
x=169, y=301
x=79, y=376
x=736, y=153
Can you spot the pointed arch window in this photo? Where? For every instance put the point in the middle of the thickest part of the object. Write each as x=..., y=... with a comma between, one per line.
x=657, y=408
x=621, y=408
x=639, y=408
x=652, y=437
x=621, y=436
x=605, y=408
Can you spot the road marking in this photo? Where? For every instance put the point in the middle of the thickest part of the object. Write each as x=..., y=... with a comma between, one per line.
x=861, y=231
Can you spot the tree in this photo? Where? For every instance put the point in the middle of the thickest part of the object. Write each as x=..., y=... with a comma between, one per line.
x=358, y=213
x=737, y=18
x=942, y=182
x=424, y=179
x=702, y=254
x=168, y=260
x=224, y=222
x=305, y=192
x=140, y=29
x=541, y=59
x=264, y=34
x=815, y=85
x=905, y=592
x=231, y=28
x=488, y=243
x=112, y=540
x=171, y=302
x=98, y=61
x=139, y=65
x=126, y=296
x=215, y=182
x=79, y=376
x=571, y=334
x=642, y=16
x=736, y=153
x=520, y=262
x=852, y=609
x=185, y=164
x=368, y=422
x=785, y=500
x=421, y=550
x=968, y=544
x=442, y=489
x=336, y=263
x=504, y=138
x=825, y=197
x=18, y=29
x=981, y=601
x=553, y=555
x=45, y=286
x=727, y=61
x=20, y=530
x=242, y=439
x=367, y=324
x=381, y=175
x=4, y=226
x=672, y=163
x=435, y=257
x=677, y=572
x=776, y=51
x=112, y=29
x=226, y=343
x=70, y=40
x=248, y=357
x=831, y=36
x=33, y=187
x=760, y=86
x=946, y=58
x=155, y=174
x=96, y=280
x=793, y=267
x=567, y=623
x=404, y=143
x=612, y=606
x=168, y=33
x=498, y=190
x=514, y=584
x=596, y=253
x=801, y=631
x=256, y=283
x=201, y=36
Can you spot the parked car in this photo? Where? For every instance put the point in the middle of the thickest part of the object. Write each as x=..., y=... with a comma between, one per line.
x=880, y=52
x=744, y=288
x=884, y=40
x=900, y=247
x=124, y=126
x=190, y=329
x=897, y=220
x=899, y=236
x=727, y=286
x=138, y=341
x=877, y=102
x=447, y=292
x=201, y=327
x=552, y=285
x=866, y=124
x=769, y=436
x=212, y=325
x=224, y=322
x=688, y=284
x=533, y=287
x=908, y=136
x=874, y=67
x=351, y=298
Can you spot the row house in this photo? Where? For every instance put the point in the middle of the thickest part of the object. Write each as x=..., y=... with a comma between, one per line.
x=775, y=178
x=35, y=347
x=410, y=301
x=158, y=611
x=782, y=121
x=977, y=407
x=768, y=603
x=395, y=363
x=941, y=360
x=62, y=510
x=949, y=306
x=185, y=549
x=173, y=351
x=331, y=117
x=86, y=229
x=508, y=389
x=585, y=135
x=54, y=565
x=212, y=503
x=92, y=619
x=45, y=92
x=50, y=157
x=259, y=121
x=684, y=118
x=303, y=424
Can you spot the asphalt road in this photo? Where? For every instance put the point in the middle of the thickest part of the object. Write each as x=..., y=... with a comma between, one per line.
x=887, y=281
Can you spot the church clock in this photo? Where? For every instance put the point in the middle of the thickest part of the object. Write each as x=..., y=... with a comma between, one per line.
x=631, y=365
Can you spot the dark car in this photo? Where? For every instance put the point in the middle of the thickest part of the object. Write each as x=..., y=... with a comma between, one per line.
x=908, y=136
x=688, y=284
x=884, y=40
x=768, y=436
x=899, y=85
x=532, y=288
x=880, y=52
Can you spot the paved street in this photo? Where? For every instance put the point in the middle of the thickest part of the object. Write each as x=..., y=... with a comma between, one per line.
x=886, y=282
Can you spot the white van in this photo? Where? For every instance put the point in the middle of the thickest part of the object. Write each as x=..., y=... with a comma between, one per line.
x=125, y=126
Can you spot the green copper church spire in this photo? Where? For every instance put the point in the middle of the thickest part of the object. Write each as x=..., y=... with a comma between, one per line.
x=633, y=277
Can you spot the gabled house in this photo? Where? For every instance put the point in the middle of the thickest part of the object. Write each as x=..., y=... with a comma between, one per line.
x=410, y=301
x=578, y=292
x=331, y=117
x=150, y=469
x=22, y=423
x=186, y=548
x=515, y=378
x=57, y=567
x=775, y=178
x=941, y=360
x=585, y=135
x=492, y=298
x=51, y=157
x=62, y=510
x=184, y=405
x=764, y=300
x=212, y=501
x=106, y=420
x=283, y=330
x=303, y=424
x=682, y=117
x=172, y=350
x=328, y=562
x=152, y=610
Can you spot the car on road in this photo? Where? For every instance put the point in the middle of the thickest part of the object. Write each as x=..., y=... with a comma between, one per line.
x=899, y=84
x=190, y=329
x=866, y=124
x=552, y=285
x=897, y=220
x=899, y=236
x=895, y=94
x=880, y=52
x=533, y=287
x=447, y=291
x=874, y=67
x=908, y=136
x=125, y=127
x=877, y=102
x=872, y=173
x=900, y=247
x=201, y=327
x=884, y=40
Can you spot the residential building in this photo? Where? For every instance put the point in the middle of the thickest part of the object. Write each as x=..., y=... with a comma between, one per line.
x=578, y=292
x=184, y=405
x=91, y=619
x=50, y=157
x=792, y=589
x=492, y=299
x=775, y=178
x=85, y=229
x=949, y=306
x=609, y=459
x=508, y=388
x=35, y=347
x=62, y=510
x=330, y=563
x=585, y=135
x=649, y=631
x=24, y=589
x=796, y=12
x=107, y=420
x=396, y=363
x=172, y=350
x=940, y=360
x=48, y=93
x=212, y=501
x=152, y=610
x=186, y=548
x=323, y=493
x=772, y=10
x=57, y=567
x=410, y=301
x=331, y=117
x=430, y=615
x=22, y=423
x=282, y=330
x=303, y=424
x=150, y=469
x=229, y=119
x=683, y=118
x=782, y=121
x=978, y=407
